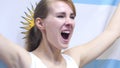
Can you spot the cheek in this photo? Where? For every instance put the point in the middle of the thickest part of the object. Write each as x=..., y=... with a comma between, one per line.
x=73, y=25
x=54, y=24
x=51, y=29
x=52, y=34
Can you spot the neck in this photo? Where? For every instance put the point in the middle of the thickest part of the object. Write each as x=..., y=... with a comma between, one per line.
x=48, y=52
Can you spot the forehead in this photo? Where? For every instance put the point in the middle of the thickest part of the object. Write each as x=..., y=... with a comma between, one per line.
x=59, y=6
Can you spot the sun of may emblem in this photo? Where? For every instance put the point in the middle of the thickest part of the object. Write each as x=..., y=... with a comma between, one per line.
x=29, y=20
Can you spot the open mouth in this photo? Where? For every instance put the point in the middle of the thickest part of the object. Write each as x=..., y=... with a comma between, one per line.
x=65, y=34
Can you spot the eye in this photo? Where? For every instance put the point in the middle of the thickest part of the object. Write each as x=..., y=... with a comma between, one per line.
x=72, y=17
x=60, y=16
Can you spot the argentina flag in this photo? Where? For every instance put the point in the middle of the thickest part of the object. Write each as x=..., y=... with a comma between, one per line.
x=92, y=18
x=12, y=13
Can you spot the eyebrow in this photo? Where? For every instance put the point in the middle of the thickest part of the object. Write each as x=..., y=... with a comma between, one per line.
x=60, y=13
x=64, y=13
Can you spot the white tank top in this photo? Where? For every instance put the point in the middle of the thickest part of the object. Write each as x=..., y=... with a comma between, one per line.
x=37, y=63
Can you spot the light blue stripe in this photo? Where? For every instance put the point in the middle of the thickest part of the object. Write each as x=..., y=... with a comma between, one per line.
x=98, y=2
x=93, y=64
x=104, y=64
x=2, y=65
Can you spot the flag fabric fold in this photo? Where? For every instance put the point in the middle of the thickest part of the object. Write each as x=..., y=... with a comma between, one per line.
x=92, y=18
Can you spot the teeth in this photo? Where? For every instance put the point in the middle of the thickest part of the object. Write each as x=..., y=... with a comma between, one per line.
x=65, y=34
x=65, y=31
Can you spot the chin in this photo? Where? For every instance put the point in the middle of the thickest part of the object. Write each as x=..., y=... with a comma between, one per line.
x=64, y=47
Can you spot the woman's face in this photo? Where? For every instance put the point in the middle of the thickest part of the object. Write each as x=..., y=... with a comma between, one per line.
x=59, y=24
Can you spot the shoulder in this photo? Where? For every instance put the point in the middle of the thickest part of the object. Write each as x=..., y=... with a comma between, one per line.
x=36, y=62
x=77, y=53
x=24, y=58
x=17, y=59
x=21, y=59
x=74, y=54
x=13, y=55
x=70, y=61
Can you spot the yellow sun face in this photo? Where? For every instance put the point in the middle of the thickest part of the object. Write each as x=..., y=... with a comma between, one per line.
x=29, y=20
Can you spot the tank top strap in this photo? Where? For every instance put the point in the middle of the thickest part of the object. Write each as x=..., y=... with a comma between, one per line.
x=70, y=62
x=36, y=62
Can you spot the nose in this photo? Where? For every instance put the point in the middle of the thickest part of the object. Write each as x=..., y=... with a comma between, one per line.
x=69, y=22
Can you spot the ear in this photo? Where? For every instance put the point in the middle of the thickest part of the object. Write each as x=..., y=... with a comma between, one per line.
x=39, y=23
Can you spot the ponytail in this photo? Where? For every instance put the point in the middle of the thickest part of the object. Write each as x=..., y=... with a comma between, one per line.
x=34, y=38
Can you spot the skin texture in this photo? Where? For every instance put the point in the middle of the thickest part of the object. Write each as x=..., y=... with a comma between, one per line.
x=60, y=19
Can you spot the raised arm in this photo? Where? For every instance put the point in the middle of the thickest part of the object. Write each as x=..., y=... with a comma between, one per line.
x=13, y=55
x=93, y=49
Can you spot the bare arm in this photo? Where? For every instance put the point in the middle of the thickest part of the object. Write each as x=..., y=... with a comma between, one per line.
x=13, y=55
x=96, y=47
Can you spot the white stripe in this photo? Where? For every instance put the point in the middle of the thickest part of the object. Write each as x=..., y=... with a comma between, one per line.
x=90, y=22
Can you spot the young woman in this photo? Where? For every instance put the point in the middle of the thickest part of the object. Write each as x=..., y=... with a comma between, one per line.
x=54, y=25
